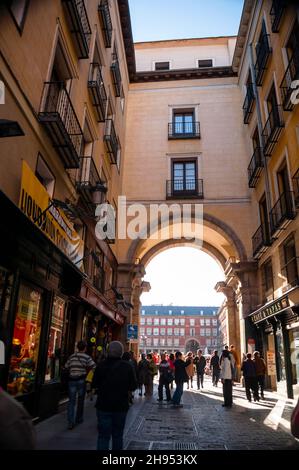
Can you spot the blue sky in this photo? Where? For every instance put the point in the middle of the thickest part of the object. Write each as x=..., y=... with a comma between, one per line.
x=154, y=20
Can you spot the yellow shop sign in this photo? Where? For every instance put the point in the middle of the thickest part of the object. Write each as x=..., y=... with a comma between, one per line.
x=34, y=200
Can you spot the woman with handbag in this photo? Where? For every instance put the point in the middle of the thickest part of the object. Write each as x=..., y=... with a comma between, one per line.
x=79, y=364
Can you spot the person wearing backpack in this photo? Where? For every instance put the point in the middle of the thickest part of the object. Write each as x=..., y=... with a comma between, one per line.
x=78, y=366
x=113, y=380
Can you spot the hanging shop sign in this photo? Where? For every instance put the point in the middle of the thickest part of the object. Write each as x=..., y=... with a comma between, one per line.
x=132, y=332
x=273, y=309
x=34, y=202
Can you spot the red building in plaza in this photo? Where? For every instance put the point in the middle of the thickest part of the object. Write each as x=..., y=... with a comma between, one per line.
x=169, y=328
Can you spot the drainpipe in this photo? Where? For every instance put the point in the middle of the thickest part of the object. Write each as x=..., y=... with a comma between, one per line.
x=260, y=129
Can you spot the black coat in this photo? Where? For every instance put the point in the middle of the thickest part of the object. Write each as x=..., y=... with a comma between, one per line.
x=113, y=379
x=200, y=363
x=180, y=374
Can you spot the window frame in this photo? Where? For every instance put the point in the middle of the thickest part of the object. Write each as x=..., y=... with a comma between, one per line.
x=20, y=27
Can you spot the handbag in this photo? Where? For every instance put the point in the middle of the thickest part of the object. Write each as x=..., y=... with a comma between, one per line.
x=295, y=421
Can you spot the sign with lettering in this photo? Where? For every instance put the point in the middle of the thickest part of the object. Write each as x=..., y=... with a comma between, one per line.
x=273, y=309
x=34, y=202
x=132, y=332
x=271, y=363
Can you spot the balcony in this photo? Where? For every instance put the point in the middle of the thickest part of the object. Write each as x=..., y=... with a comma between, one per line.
x=116, y=76
x=106, y=23
x=80, y=27
x=89, y=184
x=183, y=130
x=263, y=53
x=255, y=167
x=295, y=180
x=248, y=104
x=260, y=241
x=282, y=213
x=272, y=129
x=59, y=118
x=97, y=91
x=111, y=141
x=188, y=188
x=276, y=12
x=291, y=74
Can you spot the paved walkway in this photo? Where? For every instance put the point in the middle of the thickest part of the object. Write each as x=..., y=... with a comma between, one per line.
x=202, y=424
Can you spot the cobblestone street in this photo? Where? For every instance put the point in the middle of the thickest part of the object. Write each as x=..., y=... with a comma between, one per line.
x=202, y=424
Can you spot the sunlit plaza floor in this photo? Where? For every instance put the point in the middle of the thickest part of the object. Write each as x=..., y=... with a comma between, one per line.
x=201, y=424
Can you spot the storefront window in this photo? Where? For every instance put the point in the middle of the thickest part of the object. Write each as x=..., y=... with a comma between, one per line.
x=6, y=281
x=55, y=339
x=294, y=345
x=26, y=341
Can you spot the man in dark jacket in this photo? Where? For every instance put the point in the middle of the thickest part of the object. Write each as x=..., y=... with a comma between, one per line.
x=180, y=376
x=16, y=428
x=200, y=363
x=250, y=377
x=164, y=378
x=113, y=379
x=214, y=364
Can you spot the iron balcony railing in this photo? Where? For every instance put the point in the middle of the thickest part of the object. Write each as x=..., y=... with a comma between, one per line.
x=80, y=27
x=88, y=182
x=276, y=12
x=282, y=212
x=184, y=188
x=106, y=22
x=97, y=91
x=58, y=116
x=111, y=141
x=184, y=130
x=272, y=129
x=291, y=74
x=295, y=180
x=263, y=51
x=255, y=167
x=116, y=76
x=248, y=104
x=260, y=240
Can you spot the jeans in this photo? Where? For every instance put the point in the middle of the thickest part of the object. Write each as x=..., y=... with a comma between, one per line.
x=111, y=424
x=200, y=376
x=261, y=383
x=76, y=387
x=215, y=376
x=228, y=392
x=178, y=393
x=160, y=390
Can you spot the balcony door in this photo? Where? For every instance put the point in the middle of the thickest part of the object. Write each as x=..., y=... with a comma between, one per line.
x=273, y=108
x=184, y=176
x=183, y=123
x=283, y=184
x=264, y=219
x=292, y=47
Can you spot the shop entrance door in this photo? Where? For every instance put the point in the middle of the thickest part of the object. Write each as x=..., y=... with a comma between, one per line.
x=294, y=347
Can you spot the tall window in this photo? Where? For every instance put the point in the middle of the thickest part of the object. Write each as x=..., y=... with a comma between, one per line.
x=162, y=66
x=184, y=176
x=289, y=268
x=192, y=322
x=267, y=279
x=184, y=122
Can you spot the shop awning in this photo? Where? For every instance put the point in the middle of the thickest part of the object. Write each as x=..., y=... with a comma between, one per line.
x=93, y=297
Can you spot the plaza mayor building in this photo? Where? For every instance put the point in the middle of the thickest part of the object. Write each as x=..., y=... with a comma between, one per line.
x=87, y=116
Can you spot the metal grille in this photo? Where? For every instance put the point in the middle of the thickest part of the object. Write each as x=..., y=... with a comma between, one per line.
x=185, y=446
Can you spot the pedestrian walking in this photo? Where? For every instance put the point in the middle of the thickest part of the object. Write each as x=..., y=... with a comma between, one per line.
x=190, y=368
x=165, y=377
x=153, y=369
x=226, y=376
x=143, y=374
x=236, y=363
x=78, y=365
x=214, y=364
x=260, y=367
x=250, y=377
x=16, y=428
x=200, y=364
x=113, y=379
x=180, y=376
x=171, y=360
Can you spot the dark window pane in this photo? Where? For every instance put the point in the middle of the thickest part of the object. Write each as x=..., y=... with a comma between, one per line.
x=205, y=63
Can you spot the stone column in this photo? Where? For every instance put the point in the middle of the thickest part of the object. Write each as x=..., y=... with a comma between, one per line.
x=230, y=306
